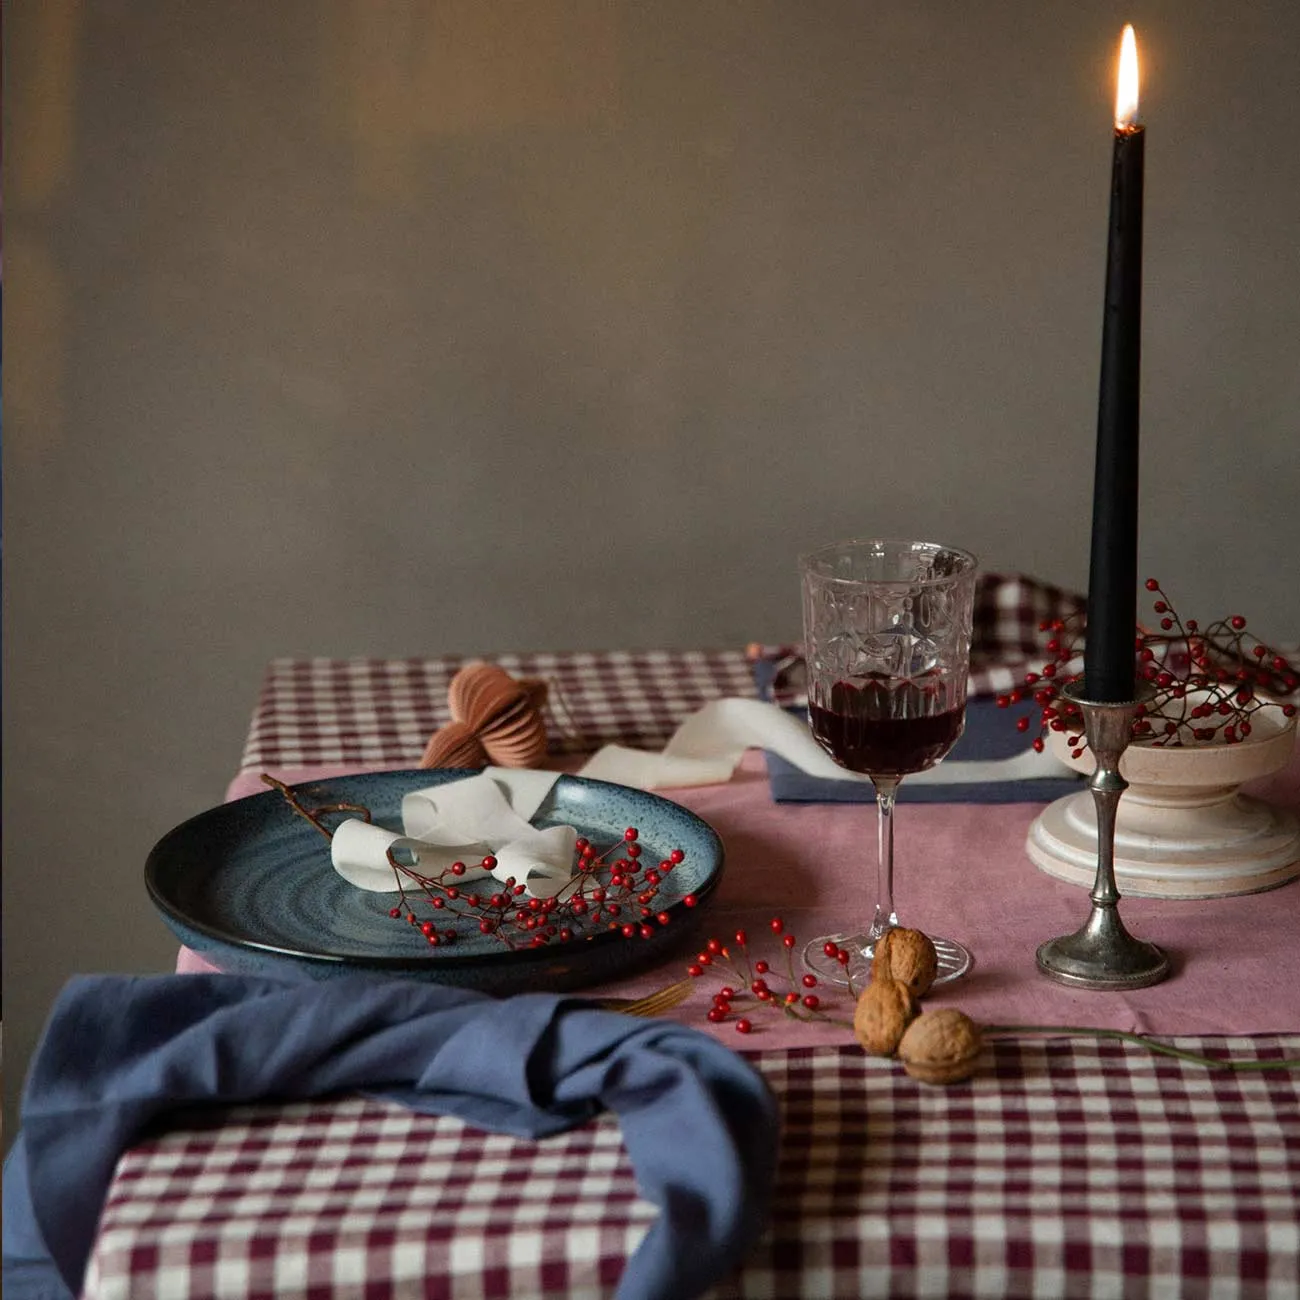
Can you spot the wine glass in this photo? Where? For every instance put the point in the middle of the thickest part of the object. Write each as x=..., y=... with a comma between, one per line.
x=887, y=628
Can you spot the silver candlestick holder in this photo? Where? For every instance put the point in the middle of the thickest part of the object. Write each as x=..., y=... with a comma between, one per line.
x=1102, y=954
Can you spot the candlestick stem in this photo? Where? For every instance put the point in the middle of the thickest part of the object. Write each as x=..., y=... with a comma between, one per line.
x=1102, y=954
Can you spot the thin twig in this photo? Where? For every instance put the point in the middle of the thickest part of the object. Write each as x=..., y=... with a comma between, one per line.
x=1141, y=1040
x=313, y=815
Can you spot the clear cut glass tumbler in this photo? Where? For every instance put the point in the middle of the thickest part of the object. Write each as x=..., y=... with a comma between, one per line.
x=887, y=629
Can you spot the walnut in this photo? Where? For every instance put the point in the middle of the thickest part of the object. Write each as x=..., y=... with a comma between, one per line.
x=906, y=955
x=941, y=1046
x=884, y=1011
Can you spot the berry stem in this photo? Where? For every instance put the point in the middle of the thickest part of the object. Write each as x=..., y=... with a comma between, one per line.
x=1141, y=1040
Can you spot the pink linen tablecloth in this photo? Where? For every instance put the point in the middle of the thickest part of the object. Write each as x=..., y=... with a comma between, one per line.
x=961, y=870
x=1067, y=1166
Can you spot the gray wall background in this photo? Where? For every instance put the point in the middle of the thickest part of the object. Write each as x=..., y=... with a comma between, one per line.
x=399, y=327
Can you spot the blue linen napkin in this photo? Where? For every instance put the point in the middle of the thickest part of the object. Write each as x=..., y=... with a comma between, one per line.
x=990, y=735
x=699, y=1123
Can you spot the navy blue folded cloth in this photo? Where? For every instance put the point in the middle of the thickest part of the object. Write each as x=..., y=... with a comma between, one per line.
x=118, y=1052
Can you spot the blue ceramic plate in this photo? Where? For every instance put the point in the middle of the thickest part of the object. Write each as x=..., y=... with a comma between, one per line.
x=249, y=885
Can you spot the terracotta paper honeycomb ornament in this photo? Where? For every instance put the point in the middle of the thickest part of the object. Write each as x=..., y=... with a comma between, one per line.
x=495, y=718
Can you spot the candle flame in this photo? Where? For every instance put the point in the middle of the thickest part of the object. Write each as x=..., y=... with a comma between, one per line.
x=1126, y=95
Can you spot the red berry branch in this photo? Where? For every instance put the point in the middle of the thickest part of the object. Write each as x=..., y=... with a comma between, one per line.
x=1208, y=682
x=608, y=888
x=793, y=996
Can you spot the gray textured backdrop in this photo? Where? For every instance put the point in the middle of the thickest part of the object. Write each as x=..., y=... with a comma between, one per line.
x=462, y=325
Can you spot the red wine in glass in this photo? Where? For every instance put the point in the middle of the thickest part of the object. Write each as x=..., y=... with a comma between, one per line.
x=885, y=726
x=887, y=627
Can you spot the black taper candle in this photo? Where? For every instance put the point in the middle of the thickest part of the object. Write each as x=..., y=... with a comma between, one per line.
x=1109, y=654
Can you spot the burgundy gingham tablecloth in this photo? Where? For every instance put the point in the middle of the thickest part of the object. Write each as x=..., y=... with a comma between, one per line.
x=379, y=712
x=1067, y=1167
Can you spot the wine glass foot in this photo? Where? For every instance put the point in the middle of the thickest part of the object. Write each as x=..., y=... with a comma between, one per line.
x=954, y=959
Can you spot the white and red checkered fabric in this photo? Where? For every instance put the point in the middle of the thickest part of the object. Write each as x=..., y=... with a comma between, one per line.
x=1068, y=1166
x=376, y=712
x=382, y=711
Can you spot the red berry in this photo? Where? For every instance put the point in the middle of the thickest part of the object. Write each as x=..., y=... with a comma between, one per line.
x=791, y=998
x=695, y=971
x=762, y=967
x=489, y=863
x=452, y=891
x=1152, y=585
x=663, y=918
x=842, y=957
x=787, y=940
x=1022, y=724
x=716, y=1014
x=743, y=1026
x=740, y=938
x=633, y=850
x=630, y=834
x=777, y=925
x=714, y=946
x=812, y=1001
x=457, y=868
x=690, y=900
x=394, y=912
x=676, y=856
x=1237, y=622
x=829, y=948
x=486, y=926
x=1160, y=607
x=810, y=981
x=726, y=991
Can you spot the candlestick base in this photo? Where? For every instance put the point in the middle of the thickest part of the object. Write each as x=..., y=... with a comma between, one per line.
x=1102, y=954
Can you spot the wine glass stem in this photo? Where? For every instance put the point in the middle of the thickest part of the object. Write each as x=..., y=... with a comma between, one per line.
x=886, y=789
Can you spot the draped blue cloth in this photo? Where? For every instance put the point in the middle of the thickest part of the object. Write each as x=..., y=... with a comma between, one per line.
x=699, y=1123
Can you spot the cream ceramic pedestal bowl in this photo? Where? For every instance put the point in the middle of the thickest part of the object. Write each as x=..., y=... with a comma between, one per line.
x=1182, y=829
